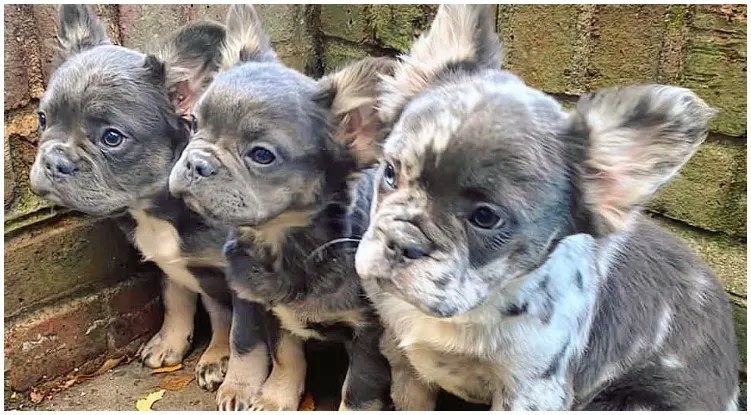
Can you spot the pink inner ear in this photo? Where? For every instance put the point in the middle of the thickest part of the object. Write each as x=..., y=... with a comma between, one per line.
x=360, y=130
x=185, y=98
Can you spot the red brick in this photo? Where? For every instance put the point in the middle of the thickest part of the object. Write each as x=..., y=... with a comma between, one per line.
x=46, y=19
x=55, y=341
x=142, y=24
x=16, y=82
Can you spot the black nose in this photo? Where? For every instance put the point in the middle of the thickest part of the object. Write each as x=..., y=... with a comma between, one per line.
x=200, y=165
x=58, y=165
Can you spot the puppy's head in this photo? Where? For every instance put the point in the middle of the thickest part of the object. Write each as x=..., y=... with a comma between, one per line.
x=482, y=175
x=110, y=125
x=267, y=141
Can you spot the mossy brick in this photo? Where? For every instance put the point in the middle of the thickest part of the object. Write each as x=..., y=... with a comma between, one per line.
x=627, y=44
x=73, y=255
x=299, y=57
x=46, y=20
x=724, y=255
x=396, y=25
x=22, y=153
x=283, y=22
x=539, y=44
x=142, y=24
x=9, y=177
x=740, y=317
x=336, y=54
x=55, y=340
x=715, y=64
x=16, y=82
x=346, y=21
x=677, y=17
x=701, y=192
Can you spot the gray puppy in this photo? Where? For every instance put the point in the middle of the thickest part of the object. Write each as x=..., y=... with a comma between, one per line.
x=506, y=253
x=276, y=156
x=112, y=126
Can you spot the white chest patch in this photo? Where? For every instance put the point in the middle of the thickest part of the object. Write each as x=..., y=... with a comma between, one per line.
x=159, y=242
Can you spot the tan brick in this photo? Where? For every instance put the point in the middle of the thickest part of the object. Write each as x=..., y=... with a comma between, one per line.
x=627, y=44
x=55, y=261
x=282, y=22
x=215, y=12
x=142, y=24
x=346, y=21
x=700, y=193
x=336, y=54
x=715, y=65
x=53, y=341
x=16, y=82
x=539, y=42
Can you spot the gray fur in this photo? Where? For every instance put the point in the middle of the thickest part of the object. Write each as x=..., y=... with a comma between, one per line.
x=295, y=220
x=570, y=299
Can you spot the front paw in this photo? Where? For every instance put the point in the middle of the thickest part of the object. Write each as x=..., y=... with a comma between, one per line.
x=164, y=350
x=210, y=370
x=235, y=396
x=277, y=396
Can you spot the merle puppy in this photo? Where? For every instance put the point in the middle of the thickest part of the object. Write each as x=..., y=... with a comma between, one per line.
x=112, y=126
x=275, y=155
x=506, y=254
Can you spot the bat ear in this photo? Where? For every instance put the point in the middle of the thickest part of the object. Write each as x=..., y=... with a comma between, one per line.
x=78, y=29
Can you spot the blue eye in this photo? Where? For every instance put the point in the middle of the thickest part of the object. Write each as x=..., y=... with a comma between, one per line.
x=193, y=124
x=261, y=155
x=389, y=175
x=112, y=138
x=485, y=217
x=42, y=121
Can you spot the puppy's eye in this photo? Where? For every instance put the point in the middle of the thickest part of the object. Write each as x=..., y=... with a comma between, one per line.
x=112, y=138
x=42, y=121
x=193, y=124
x=261, y=155
x=389, y=175
x=486, y=217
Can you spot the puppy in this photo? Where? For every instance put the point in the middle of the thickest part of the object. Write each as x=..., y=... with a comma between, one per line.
x=111, y=129
x=506, y=254
x=275, y=156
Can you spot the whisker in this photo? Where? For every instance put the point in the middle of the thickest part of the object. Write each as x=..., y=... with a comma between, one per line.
x=327, y=244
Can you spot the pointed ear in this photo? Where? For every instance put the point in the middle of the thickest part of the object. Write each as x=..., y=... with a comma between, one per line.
x=246, y=40
x=460, y=36
x=186, y=61
x=351, y=95
x=631, y=141
x=78, y=29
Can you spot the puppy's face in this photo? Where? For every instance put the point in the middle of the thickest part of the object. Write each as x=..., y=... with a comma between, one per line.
x=109, y=132
x=265, y=141
x=482, y=175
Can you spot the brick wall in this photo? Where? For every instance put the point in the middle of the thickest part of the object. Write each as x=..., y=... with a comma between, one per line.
x=74, y=287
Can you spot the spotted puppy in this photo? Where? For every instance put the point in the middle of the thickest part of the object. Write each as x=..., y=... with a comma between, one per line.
x=111, y=129
x=506, y=253
x=275, y=155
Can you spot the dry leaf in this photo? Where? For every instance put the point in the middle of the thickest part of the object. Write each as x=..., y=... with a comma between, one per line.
x=36, y=396
x=308, y=404
x=146, y=403
x=175, y=383
x=106, y=366
x=68, y=383
x=167, y=369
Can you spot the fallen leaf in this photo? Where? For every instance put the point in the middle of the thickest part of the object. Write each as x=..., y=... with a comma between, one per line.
x=176, y=383
x=167, y=369
x=308, y=404
x=106, y=366
x=70, y=382
x=36, y=396
x=146, y=403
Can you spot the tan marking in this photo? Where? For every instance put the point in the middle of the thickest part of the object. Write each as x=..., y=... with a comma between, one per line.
x=171, y=343
x=284, y=387
x=245, y=376
x=211, y=368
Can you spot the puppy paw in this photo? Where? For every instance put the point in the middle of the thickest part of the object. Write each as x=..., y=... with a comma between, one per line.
x=277, y=397
x=235, y=396
x=210, y=370
x=164, y=350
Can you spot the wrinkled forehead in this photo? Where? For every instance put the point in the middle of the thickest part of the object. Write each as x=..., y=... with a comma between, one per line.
x=110, y=71
x=478, y=131
x=260, y=92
